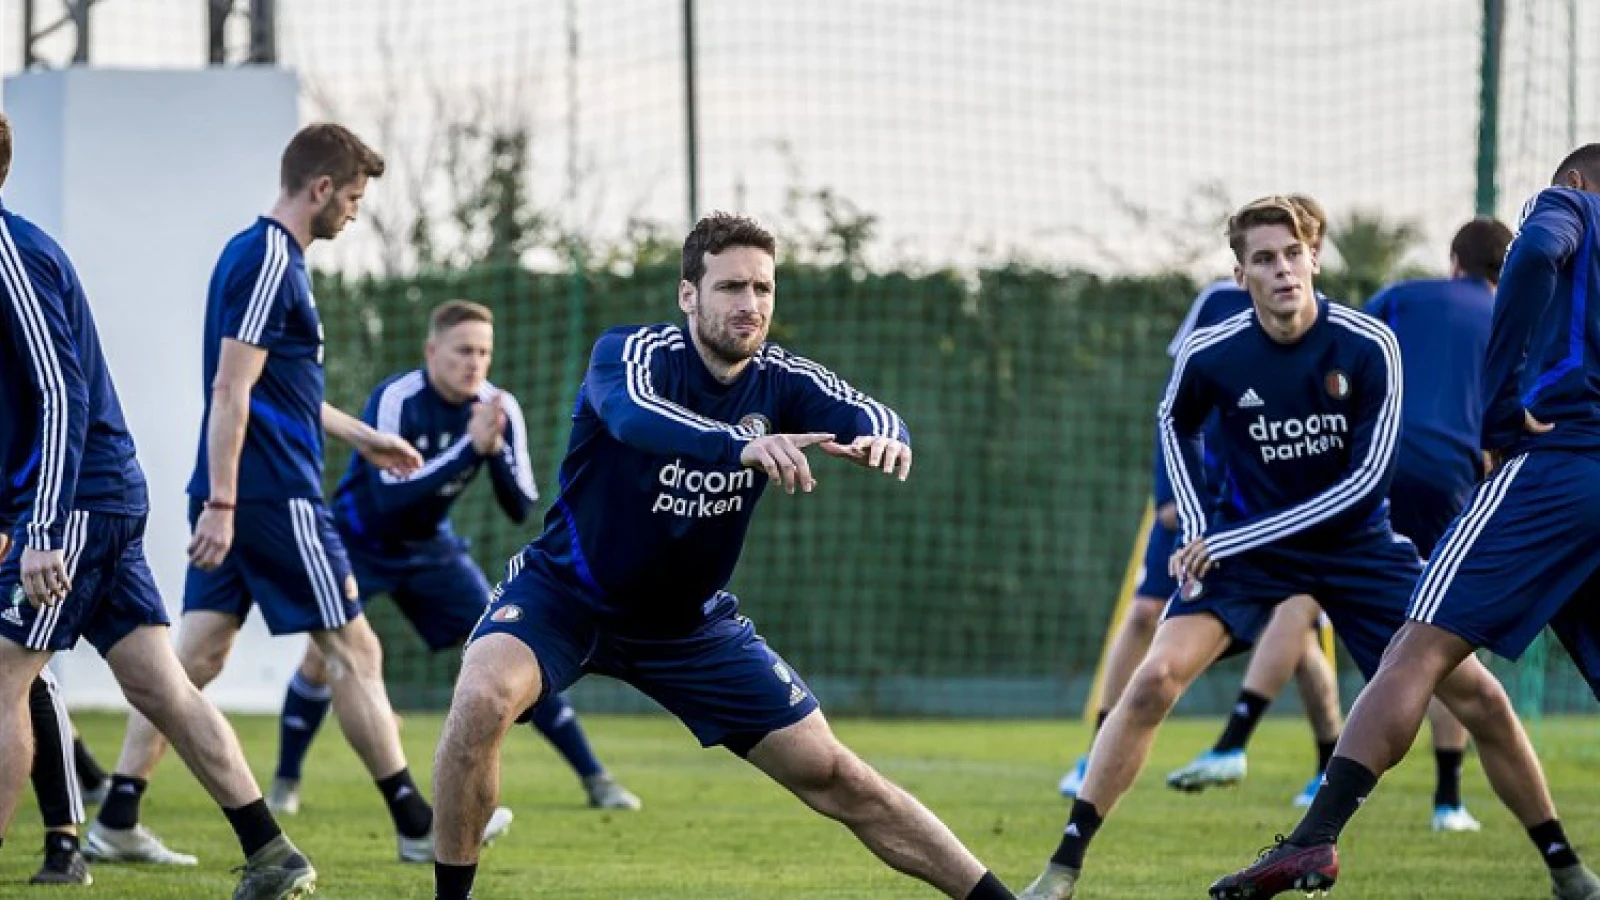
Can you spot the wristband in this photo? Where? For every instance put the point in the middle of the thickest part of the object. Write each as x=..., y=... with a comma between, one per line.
x=220, y=504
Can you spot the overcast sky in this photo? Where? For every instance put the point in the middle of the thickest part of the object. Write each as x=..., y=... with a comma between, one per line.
x=1102, y=133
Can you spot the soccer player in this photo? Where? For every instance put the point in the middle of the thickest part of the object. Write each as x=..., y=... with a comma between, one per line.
x=673, y=430
x=262, y=536
x=1442, y=326
x=1523, y=554
x=1287, y=646
x=1310, y=467
x=397, y=530
x=73, y=500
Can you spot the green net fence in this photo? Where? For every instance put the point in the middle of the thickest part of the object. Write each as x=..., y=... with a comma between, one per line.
x=992, y=217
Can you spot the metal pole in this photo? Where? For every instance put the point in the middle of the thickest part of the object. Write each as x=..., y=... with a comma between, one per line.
x=28, y=59
x=217, y=12
x=690, y=109
x=263, y=32
x=1489, y=104
x=1572, y=74
x=79, y=11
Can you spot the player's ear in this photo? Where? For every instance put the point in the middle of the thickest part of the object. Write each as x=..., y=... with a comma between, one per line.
x=321, y=189
x=1316, y=260
x=1238, y=274
x=688, y=297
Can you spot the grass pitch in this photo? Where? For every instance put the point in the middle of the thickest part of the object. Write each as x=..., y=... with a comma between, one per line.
x=714, y=828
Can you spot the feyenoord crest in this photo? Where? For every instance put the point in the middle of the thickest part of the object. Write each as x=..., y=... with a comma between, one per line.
x=1337, y=383
x=1192, y=590
x=509, y=613
x=756, y=422
x=18, y=595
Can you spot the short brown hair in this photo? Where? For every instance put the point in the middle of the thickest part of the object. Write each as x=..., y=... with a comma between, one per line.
x=451, y=313
x=716, y=233
x=1585, y=159
x=5, y=148
x=1479, y=248
x=1274, y=210
x=1314, y=218
x=331, y=150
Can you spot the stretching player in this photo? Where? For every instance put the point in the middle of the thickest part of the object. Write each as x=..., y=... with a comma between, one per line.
x=1288, y=644
x=672, y=430
x=75, y=494
x=1442, y=326
x=398, y=534
x=261, y=534
x=1310, y=467
x=1524, y=553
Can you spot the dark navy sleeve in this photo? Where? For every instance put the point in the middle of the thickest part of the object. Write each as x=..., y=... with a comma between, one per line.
x=394, y=494
x=256, y=298
x=624, y=387
x=1381, y=306
x=1161, y=485
x=815, y=399
x=511, y=470
x=1183, y=410
x=37, y=312
x=1377, y=386
x=1549, y=236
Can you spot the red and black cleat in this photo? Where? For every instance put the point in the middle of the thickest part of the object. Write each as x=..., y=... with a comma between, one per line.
x=1281, y=868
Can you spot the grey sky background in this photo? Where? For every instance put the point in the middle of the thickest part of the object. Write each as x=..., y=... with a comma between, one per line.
x=1106, y=134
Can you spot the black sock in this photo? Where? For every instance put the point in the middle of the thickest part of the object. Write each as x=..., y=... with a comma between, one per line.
x=60, y=842
x=990, y=888
x=412, y=815
x=1325, y=753
x=1553, y=844
x=1081, y=826
x=1345, y=786
x=89, y=772
x=121, y=809
x=1242, y=721
x=1100, y=720
x=1447, y=790
x=453, y=882
x=254, y=825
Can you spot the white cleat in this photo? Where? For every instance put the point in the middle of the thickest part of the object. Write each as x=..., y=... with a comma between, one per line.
x=131, y=845
x=1057, y=883
x=1209, y=769
x=284, y=797
x=1454, y=818
x=605, y=793
x=1072, y=782
x=420, y=850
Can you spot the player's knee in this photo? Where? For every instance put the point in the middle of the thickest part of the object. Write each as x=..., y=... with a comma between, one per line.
x=839, y=784
x=1154, y=689
x=481, y=708
x=351, y=651
x=313, y=667
x=203, y=664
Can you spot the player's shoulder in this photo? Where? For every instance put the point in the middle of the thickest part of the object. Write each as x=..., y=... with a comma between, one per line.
x=1560, y=200
x=1208, y=342
x=395, y=390
x=29, y=241
x=636, y=340
x=1218, y=301
x=262, y=244
x=491, y=391
x=1363, y=329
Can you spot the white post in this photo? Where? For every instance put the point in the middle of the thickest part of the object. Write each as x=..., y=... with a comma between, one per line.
x=143, y=176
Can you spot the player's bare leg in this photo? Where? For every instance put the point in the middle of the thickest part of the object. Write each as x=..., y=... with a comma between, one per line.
x=1184, y=647
x=1134, y=634
x=19, y=666
x=354, y=670
x=1319, y=696
x=1279, y=652
x=499, y=680
x=204, y=641
x=1420, y=661
x=808, y=759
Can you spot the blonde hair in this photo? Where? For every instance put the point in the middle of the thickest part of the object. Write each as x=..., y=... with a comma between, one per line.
x=451, y=313
x=1273, y=210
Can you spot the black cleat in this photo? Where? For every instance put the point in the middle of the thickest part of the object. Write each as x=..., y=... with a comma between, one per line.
x=63, y=867
x=1281, y=868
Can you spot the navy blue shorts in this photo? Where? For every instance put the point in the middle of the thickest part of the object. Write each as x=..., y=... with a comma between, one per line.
x=112, y=589
x=1154, y=582
x=287, y=559
x=1525, y=554
x=1423, y=510
x=722, y=681
x=440, y=590
x=1363, y=586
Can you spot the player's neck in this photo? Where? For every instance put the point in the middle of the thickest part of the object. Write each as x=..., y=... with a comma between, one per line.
x=445, y=394
x=723, y=371
x=298, y=222
x=1291, y=328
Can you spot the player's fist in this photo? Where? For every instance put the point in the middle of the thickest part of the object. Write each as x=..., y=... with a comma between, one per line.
x=487, y=427
x=390, y=452
x=44, y=576
x=212, y=539
x=891, y=456
x=1192, y=560
x=783, y=458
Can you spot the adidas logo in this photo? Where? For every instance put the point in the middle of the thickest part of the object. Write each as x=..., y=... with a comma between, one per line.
x=1251, y=399
x=1072, y=830
x=1243, y=709
x=402, y=793
x=796, y=695
x=12, y=615
x=1555, y=848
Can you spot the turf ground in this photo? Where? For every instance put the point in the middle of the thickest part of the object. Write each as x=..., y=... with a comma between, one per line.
x=712, y=828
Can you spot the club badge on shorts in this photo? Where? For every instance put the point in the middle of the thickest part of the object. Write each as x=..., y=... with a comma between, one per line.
x=1192, y=590
x=508, y=613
